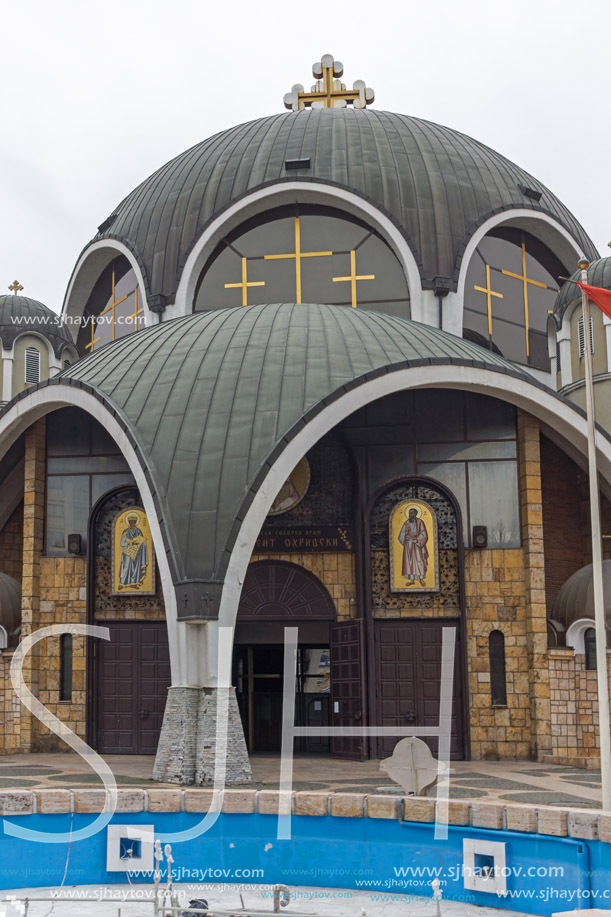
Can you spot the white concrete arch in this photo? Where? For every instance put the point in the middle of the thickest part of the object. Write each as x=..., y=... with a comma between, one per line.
x=304, y=192
x=90, y=265
x=538, y=224
x=541, y=403
x=186, y=642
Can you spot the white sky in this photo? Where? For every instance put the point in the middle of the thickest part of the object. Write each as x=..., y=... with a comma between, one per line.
x=96, y=96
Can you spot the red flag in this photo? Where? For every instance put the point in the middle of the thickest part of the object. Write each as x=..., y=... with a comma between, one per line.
x=598, y=295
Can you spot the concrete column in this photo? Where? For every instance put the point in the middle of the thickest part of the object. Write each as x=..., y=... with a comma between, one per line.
x=534, y=571
x=33, y=537
x=187, y=750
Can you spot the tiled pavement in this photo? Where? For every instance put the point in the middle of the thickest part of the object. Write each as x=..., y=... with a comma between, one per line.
x=504, y=781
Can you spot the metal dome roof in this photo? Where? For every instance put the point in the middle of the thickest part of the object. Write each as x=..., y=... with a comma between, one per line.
x=436, y=184
x=599, y=275
x=575, y=599
x=15, y=310
x=210, y=400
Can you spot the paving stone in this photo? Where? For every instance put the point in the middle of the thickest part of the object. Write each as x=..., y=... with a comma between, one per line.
x=459, y=813
x=604, y=828
x=164, y=800
x=52, y=802
x=552, y=821
x=583, y=825
x=239, y=801
x=418, y=809
x=17, y=802
x=198, y=800
x=348, y=805
x=90, y=800
x=311, y=803
x=268, y=802
x=487, y=815
x=130, y=801
x=521, y=818
x=383, y=807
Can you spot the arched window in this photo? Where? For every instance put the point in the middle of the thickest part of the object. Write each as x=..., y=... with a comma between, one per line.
x=32, y=366
x=498, y=680
x=65, y=667
x=589, y=642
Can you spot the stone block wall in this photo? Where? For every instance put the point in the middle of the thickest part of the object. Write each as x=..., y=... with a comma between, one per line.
x=335, y=570
x=11, y=545
x=496, y=600
x=573, y=709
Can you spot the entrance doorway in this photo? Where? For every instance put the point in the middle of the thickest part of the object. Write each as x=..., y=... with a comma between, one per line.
x=132, y=680
x=408, y=680
x=258, y=677
x=276, y=595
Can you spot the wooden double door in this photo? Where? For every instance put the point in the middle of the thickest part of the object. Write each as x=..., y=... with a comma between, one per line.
x=132, y=679
x=408, y=657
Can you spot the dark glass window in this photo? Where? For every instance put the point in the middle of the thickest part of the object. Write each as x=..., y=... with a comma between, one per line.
x=512, y=282
x=83, y=462
x=498, y=679
x=65, y=667
x=589, y=641
x=114, y=308
x=304, y=254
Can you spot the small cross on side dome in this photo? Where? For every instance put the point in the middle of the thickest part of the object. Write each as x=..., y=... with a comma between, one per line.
x=15, y=287
x=328, y=91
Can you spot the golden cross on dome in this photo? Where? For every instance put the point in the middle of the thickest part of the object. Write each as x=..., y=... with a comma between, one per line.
x=245, y=283
x=15, y=287
x=328, y=91
x=525, y=281
x=352, y=279
x=298, y=255
x=489, y=293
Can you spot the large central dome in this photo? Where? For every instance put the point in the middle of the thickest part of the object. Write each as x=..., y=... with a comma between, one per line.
x=436, y=184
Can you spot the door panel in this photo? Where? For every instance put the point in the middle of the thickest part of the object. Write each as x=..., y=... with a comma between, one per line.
x=348, y=687
x=133, y=675
x=408, y=679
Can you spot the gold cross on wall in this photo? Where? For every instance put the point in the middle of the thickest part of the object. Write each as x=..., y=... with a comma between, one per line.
x=94, y=340
x=489, y=293
x=137, y=311
x=525, y=280
x=298, y=255
x=328, y=91
x=245, y=283
x=352, y=279
x=15, y=287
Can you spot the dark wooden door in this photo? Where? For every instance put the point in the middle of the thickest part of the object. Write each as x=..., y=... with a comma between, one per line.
x=408, y=680
x=348, y=687
x=133, y=676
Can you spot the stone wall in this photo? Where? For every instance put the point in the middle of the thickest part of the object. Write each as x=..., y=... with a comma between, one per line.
x=11, y=545
x=496, y=600
x=574, y=709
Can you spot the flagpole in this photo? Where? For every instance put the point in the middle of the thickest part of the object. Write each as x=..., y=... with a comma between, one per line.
x=604, y=722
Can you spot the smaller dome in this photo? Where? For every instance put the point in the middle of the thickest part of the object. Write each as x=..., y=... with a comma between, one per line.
x=20, y=314
x=10, y=608
x=576, y=597
x=599, y=275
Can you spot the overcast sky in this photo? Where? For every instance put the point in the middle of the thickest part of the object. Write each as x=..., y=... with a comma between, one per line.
x=96, y=96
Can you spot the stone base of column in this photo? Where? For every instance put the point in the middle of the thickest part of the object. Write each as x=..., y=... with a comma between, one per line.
x=175, y=759
x=187, y=745
x=237, y=762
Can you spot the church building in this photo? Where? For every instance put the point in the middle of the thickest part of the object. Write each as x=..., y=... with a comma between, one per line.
x=320, y=371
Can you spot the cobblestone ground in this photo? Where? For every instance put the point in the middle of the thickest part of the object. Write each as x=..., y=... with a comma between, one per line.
x=504, y=781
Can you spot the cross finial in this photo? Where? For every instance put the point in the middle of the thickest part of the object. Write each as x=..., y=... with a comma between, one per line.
x=15, y=287
x=328, y=91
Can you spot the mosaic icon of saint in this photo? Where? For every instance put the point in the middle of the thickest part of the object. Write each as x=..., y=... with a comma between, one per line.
x=134, y=554
x=414, y=537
